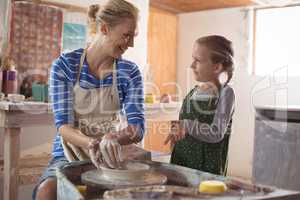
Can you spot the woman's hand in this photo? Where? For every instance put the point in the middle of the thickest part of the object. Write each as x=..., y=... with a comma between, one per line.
x=111, y=151
x=94, y=152
x=177, y=133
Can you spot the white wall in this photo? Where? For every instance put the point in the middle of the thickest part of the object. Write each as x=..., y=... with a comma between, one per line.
x=235, y=24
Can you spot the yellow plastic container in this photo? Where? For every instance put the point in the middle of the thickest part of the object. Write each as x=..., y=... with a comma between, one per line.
x=81, y=189
x=212, y=187
x=149, y=98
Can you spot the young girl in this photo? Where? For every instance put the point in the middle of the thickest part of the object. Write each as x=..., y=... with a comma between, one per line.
x=201, y=141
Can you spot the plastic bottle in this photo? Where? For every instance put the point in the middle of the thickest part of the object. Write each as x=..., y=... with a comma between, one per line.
x=9, y=79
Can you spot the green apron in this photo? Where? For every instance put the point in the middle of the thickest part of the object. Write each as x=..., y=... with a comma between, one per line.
x=196, y=154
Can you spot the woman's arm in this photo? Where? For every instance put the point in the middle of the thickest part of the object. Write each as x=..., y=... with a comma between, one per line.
x=215, y=132
x=134, y=109
x=74, y=136
x=61, y=94
x=129, y=135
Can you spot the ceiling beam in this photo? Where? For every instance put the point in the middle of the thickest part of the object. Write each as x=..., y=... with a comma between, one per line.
x=164, y=6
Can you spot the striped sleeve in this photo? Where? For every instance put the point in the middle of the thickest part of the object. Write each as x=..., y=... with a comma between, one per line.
x=61, y=93
x=134, y=100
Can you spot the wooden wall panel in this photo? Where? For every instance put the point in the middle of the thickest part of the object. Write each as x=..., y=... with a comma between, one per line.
x=156, y=135
x=162, y=48
x=162, y=56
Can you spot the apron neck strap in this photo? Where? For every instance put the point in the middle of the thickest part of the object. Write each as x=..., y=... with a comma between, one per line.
x=82, y=58
x=114, y=73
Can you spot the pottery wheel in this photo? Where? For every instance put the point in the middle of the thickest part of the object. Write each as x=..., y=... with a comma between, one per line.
x=96, y=178
x=163, y=192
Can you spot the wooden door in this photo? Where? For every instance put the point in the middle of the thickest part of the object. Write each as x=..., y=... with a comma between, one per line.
x=162, y=58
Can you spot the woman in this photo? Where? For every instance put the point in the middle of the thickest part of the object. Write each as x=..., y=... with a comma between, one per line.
x=90, y=89
x=201, y=138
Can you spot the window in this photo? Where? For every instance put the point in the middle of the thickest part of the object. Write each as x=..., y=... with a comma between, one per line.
x=74, y=36
x=277, y=44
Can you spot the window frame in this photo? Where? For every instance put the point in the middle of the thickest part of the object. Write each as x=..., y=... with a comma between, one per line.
x=254, y=31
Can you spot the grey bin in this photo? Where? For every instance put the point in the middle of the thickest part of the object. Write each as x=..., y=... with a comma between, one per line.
x=276, y=159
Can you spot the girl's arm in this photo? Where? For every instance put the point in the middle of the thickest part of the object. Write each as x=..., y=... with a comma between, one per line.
x=215, y=132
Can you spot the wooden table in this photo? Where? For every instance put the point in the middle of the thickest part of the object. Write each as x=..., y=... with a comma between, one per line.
x=14, y=116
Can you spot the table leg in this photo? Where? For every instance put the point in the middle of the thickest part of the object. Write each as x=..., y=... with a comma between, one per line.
x=11, y=158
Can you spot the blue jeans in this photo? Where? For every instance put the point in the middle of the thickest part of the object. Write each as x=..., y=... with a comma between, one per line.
x=50, y=172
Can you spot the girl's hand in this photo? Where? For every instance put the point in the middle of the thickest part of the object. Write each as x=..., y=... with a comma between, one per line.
x=177, y=133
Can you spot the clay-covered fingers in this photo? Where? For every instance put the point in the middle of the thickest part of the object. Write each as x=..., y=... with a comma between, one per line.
x=118, y=152
x=98, y=158
x=105, y=153
x=95, y=156
x=112, y=152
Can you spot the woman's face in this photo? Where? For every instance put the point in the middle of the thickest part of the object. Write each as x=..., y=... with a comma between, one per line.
x=202, y=66
x=120, y=37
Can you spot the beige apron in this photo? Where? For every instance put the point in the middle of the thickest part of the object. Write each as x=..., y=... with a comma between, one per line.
x=97, y=112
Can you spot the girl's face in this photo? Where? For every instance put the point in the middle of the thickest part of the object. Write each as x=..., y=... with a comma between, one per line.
x=202, y=66
x=120, y=37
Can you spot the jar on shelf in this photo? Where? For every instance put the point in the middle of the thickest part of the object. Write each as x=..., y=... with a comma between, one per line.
x=9, y=77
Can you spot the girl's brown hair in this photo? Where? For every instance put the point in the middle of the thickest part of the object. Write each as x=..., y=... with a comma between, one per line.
x=221, y=51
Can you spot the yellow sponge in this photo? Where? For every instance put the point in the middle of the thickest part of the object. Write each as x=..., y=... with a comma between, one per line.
x=212, y=187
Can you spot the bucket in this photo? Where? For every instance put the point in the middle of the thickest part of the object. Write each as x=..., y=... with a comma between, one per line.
x=40, y=92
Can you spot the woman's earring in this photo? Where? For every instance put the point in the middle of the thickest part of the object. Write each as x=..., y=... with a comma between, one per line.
x=223, y=77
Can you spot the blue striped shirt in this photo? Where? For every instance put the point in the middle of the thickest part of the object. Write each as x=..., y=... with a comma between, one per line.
x=63, y=78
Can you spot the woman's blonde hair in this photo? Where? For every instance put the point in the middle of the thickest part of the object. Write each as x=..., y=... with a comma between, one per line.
x=112, y=13
x=221, y=51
